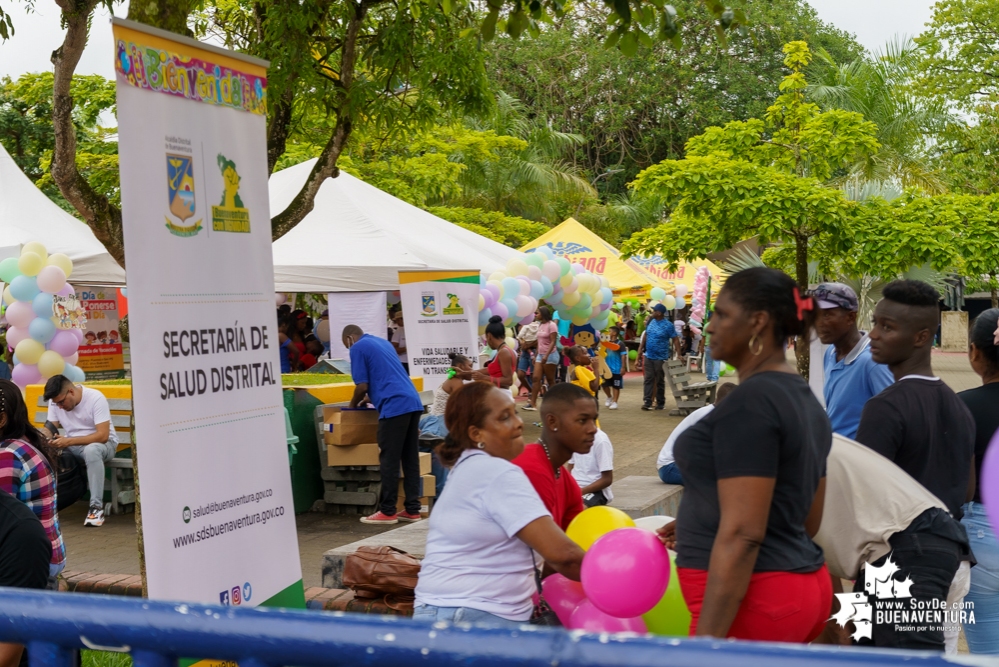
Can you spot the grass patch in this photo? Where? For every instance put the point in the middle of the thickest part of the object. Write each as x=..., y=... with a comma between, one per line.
x=104, y=659
x=287, y=380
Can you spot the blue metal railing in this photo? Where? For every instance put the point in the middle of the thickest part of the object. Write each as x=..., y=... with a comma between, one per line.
x=157, y=633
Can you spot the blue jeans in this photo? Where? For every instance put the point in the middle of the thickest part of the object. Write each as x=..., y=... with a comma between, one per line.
x=670, y=474
x=432, y=614
x=437, y=469
x=711, y=366
x=983, y=635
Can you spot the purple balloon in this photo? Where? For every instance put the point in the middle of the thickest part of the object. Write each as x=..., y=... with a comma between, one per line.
x=65, y=343
x=527, y=320
x=495, y=291
x=587, y=617
x=67, y=290
x=989, y=480
x=625, y=572
x=499, y=308
x=79, y=335
x=25, y=374
x=487, y=297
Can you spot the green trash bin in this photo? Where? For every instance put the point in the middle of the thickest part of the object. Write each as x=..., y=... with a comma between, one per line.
x=290, y=437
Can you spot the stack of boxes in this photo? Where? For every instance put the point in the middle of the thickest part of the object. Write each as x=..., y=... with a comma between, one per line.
x=352, y=480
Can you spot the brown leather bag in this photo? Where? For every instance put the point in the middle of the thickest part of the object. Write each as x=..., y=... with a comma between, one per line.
x=374, y=572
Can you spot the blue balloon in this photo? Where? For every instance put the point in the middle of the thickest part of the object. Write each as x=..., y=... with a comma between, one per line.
x=42, y=305
x=16, y=360
x=547, y=284
x=124, y=292
x=511, y=288
x=42, y=329
x=511, y=308
x=608, y=294
x=537, y=289
x=74, y=373
x=24, y=288
x=484, y=316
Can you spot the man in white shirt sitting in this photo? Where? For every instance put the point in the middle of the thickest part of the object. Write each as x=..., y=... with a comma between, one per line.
x=665, y=464
x=85, y=416
x=594, y=472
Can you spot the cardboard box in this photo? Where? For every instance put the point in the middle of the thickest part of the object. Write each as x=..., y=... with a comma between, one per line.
x=349, y=427
x=425, y=461
x=353, y=455
x=428, y=487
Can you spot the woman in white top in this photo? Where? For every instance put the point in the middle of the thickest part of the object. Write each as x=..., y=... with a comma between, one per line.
x=485, y=527
x=462, y=367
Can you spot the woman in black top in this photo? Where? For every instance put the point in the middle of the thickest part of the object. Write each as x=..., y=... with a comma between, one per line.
x=983, y=634
x=754, y=473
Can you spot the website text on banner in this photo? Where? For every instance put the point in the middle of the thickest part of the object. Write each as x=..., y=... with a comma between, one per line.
x=206, y=380
x=441, y=311
x=101, y=353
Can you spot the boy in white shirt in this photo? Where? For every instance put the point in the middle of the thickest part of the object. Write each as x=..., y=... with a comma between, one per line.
x=594, y=472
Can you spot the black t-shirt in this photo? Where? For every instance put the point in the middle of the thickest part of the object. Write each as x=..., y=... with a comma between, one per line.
x=984, y=405
x=771, y=426
x=921, y=425
x=25, y=549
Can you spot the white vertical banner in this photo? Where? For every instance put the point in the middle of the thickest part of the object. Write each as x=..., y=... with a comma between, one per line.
x=441, y=310
x=368, y=310
x=217, y=511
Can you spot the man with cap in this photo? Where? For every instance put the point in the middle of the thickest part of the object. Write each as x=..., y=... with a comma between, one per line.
x=851, y=376
x=653, y=353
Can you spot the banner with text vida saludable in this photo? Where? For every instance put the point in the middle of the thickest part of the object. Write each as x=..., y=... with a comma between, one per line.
x=217, y=511
x=441, y=314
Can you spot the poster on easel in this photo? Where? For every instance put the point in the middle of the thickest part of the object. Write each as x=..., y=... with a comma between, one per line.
x=101, y=352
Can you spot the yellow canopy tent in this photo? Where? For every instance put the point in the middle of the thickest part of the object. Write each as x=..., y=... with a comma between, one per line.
x=656, y=268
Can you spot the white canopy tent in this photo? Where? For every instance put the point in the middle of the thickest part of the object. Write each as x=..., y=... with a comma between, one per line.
x=358, y=237
x=27, y=214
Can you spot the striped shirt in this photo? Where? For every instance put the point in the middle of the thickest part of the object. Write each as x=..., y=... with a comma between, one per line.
x=26, y=475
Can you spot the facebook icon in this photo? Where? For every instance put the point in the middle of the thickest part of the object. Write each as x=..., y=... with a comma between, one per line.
x=224, y=598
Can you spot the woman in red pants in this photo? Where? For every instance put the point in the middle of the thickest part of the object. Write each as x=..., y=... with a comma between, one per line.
x=754, y=477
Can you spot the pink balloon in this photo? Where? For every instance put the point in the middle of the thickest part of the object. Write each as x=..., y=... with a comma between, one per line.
x=625, y=572
x=51, y=279
x=525, y=306
x=525, y=286
x=20, y=313
x=65, y=343
x=73, y=359
x=563, y=595
x=25, y=374
x=587, y=617
x=79, y=335
x=67, y=290
x=578, y=268
x=534, y=273
x=16, y=334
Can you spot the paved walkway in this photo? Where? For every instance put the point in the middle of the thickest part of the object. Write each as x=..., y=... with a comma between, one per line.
x=637, y=438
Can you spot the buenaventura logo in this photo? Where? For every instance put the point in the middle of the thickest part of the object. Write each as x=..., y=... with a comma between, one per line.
x=230, y=215
x=429, y=300
x=180, y=195
x=453, y=306
x=888, y=600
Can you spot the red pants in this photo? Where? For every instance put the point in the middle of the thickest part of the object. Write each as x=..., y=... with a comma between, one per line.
x=778, y=607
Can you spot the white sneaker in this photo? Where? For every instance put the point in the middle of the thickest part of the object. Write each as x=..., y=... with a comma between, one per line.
x=95, y=517
x=613, y=405
x=608, y=402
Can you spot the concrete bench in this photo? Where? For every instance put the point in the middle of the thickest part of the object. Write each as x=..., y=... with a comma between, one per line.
x=636, y=496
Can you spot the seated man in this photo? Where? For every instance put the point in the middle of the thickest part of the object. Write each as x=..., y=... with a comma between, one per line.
x=665, y=463
x=90, y=436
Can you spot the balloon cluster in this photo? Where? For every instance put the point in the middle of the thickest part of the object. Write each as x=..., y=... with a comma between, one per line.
x=41, y=350
x=514, y=293
x=659, y=295
x=628, y=581
x=699, y=301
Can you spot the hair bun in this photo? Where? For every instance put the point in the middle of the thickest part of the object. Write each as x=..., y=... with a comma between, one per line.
x=452, y=356
x=495, y=319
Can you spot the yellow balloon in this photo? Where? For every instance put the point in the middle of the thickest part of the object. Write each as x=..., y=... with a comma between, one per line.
x=36, y=248
x=30, y=263
x=570, y=299
x=29, y=351
x=592, y=524
x=50, y=363
x=8, y=298
x=63, y=262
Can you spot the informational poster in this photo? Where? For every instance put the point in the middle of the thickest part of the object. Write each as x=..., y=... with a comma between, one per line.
x=101, y=353
x=217, y=511
x=441, y=311
x=368, y=310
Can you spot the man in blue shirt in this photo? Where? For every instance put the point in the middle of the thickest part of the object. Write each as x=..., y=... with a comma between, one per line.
x=377, y=374
x=851, y=376
x=653, y=352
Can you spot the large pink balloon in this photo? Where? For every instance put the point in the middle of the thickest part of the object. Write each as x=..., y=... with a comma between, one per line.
x=625, y=572
x=534, y=273
x=989, y=480
x=525, y=286
x=16, y=334
x=25, y=374
x=587, y=617
x=20, y=313
x=65, y=343
x=51, y=279
x=563, y=595
x=551, y=270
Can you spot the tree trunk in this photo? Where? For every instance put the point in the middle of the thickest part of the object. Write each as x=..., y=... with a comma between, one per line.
x=802, y=345
x=138, y=515
x=325, y=166
x=103, y=217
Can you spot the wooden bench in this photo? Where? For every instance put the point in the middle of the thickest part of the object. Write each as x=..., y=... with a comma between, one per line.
x=636, y=496
x=121, y=480
x=689, y=395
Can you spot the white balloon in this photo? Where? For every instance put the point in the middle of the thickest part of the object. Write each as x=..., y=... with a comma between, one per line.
x=653, y=523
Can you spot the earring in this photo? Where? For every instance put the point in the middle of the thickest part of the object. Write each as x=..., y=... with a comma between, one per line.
x=481, y=445
x=555, y=428
x=751, y=341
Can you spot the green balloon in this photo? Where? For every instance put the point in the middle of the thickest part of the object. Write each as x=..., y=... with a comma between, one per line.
x=670, y=617
x=564, y=265
x=9, y=270
x=633, y=354
x=534, y=259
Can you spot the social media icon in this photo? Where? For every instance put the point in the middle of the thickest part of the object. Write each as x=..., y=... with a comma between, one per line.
x=224, y=598
x=247, y=591
x=236, y=595
x=186, y=515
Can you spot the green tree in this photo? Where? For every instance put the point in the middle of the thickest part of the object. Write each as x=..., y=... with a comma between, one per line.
x=763, y=177
x=506, y=229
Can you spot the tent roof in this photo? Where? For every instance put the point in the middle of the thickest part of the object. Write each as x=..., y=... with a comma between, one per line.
x=358, y=237
x=578, y=244
x=27, y=214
